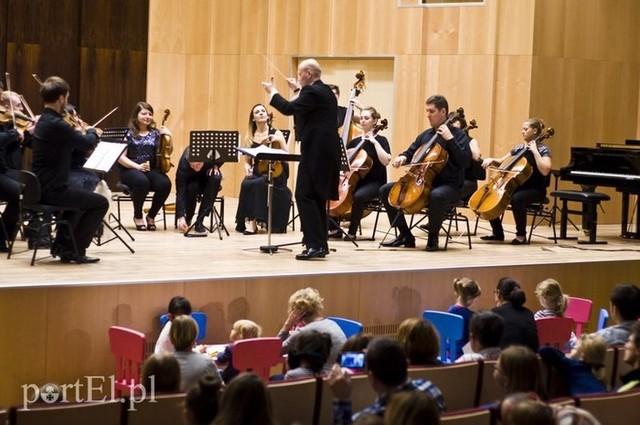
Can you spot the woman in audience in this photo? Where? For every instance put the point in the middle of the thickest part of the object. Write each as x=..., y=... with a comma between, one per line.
x=552, y=300
x=308, y=355
x=420, y=341
x=161, y=374
x=518, y=370
x=485, y=332
x=412, y=408
x=305, y=312
x=583, y=369
x=466, y=291
x=245, y=401
x=201, y=402
x=184, y=331
x=242, y=329
x=520, y=326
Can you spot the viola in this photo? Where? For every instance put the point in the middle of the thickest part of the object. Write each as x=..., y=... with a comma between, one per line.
x=165, y=147
x=411, y=192
x=359, y=164
x=493, y=197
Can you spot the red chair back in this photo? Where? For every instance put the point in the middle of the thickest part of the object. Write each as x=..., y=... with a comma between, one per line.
x=127, y=346
x=578, y=309
x=257, y=355
x=554, y=331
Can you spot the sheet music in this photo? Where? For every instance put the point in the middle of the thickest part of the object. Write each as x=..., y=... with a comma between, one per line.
x=253, y=152
x=104, y=156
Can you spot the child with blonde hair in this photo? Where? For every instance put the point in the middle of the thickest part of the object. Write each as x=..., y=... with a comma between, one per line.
x=583, y=369
x=551, y=298
x=466, y=290
x=242, y=329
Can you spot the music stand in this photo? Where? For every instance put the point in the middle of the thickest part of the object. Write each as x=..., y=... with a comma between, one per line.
x=217, y=146
x=101, y=160
x=271, y=155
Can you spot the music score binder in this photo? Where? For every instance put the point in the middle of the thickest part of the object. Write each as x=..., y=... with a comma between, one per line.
x=104, y=156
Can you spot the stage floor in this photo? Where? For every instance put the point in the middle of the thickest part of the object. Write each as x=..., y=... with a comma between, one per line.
x=168, y=256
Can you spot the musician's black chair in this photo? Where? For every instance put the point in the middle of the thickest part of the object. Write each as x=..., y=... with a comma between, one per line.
x=589, y=211
x=450, y=217
x=375, y=206
x=216, y=214
x=39, y=219
x=125, y=196
x=541, y=212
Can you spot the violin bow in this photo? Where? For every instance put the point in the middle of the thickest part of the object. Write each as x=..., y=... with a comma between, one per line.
x=13, y=112
x=26, y=106
x=38, y=80
x=103, y=118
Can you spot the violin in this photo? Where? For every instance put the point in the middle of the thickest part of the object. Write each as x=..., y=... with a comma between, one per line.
x=360, y=164
x=20, y=121
x=411, y=192
x=492, y=198
x=263, y=165
x=165, y=147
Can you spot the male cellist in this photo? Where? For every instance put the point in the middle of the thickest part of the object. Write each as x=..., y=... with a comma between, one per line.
x=447, y=184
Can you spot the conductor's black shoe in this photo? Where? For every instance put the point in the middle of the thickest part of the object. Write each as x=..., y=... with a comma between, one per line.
x=79, y=259
x=310, y=253
x=492, y=238
x=407, y=242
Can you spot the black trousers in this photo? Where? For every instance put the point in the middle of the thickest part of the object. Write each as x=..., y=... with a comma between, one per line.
x=519, y=201
x=92, y=208
x=441, y=199
x=313, y=211
x=141, y=184
x=208, y=186
x=10, y=193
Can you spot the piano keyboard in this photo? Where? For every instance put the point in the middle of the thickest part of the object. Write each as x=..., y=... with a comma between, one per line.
x=604, y=175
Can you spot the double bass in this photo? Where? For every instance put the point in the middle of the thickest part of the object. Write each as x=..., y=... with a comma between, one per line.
x=411, y=192
x=359, y=163
x=493, y=197
x=165, y=147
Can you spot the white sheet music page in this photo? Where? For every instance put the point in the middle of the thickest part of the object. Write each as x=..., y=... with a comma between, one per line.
x=253, y=152
x=104, y=156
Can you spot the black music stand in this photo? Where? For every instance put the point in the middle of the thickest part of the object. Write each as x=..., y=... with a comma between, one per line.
x=213, y=146
x=271, y=155
x=101, y=160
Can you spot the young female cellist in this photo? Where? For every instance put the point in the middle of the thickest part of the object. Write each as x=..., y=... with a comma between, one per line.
x=378, y=150
x=534, y=189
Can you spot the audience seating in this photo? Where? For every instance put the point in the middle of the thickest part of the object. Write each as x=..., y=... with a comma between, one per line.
x=449, y=378
x=199, y=317
x=127, y=345
x=578, y=309
x=488, y=390
x=450, y=327
x=349, y=327
x=621, y=368
x=100, y=413
x=610, y=365
x=554, y=331
x=257, y=355
x=603, y=319
x=162, y=409
x=296, y=401
x=468, y=417
x=613, y=408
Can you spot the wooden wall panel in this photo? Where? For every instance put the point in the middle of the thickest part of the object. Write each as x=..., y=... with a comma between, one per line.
x=283, y=37
x=440, y=31
x=515, y=20
x=4, y=24
x=227, y=28
x=316, y=27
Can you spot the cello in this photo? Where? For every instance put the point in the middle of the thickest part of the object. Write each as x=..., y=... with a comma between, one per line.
x=492, y=198
x=411, y=192
x=359, y=163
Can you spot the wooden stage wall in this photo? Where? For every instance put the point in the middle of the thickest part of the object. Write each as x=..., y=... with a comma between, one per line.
x=59, y=334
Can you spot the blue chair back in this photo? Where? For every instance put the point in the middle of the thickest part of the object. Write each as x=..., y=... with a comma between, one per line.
x=349, y=327
x=450, y=327
x=198, y=316
x=603, y=319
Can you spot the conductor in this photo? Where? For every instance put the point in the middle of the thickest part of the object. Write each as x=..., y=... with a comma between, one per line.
x=315, y=109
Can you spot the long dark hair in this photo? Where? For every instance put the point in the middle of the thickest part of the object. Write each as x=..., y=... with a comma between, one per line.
x=510, y=291
x=134, y=126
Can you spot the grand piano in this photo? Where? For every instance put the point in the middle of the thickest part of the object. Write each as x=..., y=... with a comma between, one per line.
x=611, y=165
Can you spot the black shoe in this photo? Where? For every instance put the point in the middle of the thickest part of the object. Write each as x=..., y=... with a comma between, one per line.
x=4, y=248
x=517, y=241
x=310, y=253
x=79, y=259
x=407, y=242
x=431, y=248
x=349, y=238
x=199, y=228
x=492, y=238
x=336, y=235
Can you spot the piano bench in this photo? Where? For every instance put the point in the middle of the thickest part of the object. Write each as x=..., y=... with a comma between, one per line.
x=589, y=211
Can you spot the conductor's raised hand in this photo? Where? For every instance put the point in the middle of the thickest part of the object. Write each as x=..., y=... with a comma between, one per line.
x=293, y=84
x=269, y=87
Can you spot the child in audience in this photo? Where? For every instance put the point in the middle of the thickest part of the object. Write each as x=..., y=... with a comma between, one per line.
x=420, y=341
x=245, y=401
x=242, y=329
x=551, y=298
x=467, y=291
x=177, y=306
x=201, y=402
x=412, y=408
x=308, y=355
x=518, y=370
x=583, y=369
x=161, y=374
x=485, y=332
